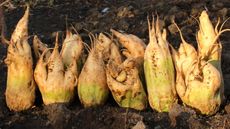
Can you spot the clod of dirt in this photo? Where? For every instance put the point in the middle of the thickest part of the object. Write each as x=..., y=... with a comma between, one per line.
x=123, y=24
x=174, y=10
x=125, y=12
x=178, y=114
x=217, y=5
x=79, y=25
x=58, y=115
x=139, y=125
x=223, y=13
x=172, y=29
x=196, y=9
x=174, y=112
x=194, y=124
x=181, y=15
x=132, y=119
x=227, y=108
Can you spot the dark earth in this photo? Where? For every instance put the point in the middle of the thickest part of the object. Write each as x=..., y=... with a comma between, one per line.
x=96, y=16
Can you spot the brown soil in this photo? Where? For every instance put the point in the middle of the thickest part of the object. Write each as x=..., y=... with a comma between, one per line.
x=130, y=16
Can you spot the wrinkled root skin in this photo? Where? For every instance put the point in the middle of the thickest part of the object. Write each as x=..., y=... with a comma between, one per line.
x=160, y=94
x=56, y=84
x=20, y=100
x=127, y=89
x=203, y=93
x=123, y=77
x=135, y=47
x=200, y=99
x=20, y=90
x=200, y=85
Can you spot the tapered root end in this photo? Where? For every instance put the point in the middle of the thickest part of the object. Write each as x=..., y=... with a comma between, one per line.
x=56, y=42
x=21, y=29
x=68, y=33
x=123, y=38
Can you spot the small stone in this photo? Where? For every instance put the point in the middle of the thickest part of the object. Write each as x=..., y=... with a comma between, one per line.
x=157, y=127
x=139, y=125
x=174, y=111
x=105, y=10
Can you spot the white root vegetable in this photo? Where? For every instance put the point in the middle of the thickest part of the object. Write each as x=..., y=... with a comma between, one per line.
x=123, y=76
x=92, y=85
x=159, y=70
x=209, y=45
x=20, y=89
x=199, y=81
x=56, y=75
